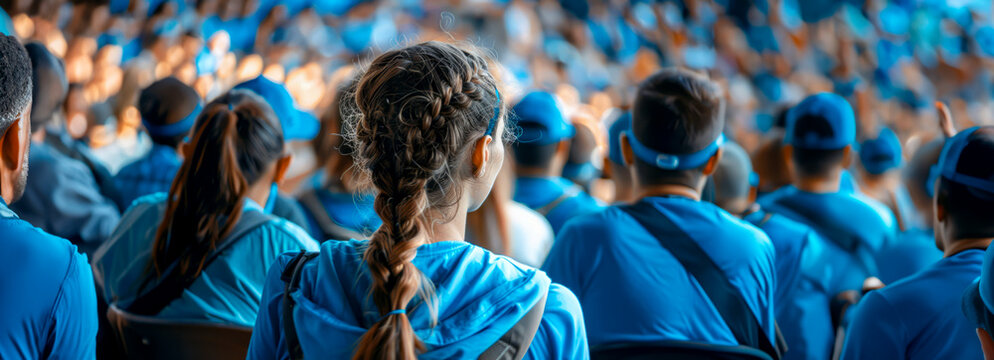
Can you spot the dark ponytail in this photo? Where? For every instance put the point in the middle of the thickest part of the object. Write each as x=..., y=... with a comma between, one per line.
x=420, y=109
x=235, y=140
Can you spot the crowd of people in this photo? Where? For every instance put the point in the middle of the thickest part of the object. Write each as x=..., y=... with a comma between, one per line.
x=549, y=179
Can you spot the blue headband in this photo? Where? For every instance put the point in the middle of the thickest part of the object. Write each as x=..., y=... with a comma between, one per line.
x=674, y=162
x=948, y=160
x=175, y=128
x=493, y=120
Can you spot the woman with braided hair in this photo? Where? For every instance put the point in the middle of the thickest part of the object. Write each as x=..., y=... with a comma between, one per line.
x=428, y=135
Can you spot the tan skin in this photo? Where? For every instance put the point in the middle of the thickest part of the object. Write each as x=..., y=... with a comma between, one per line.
x=643, y=191
x=259, y=191
x=14, y=146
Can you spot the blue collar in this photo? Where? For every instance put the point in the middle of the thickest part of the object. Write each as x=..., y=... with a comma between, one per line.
x=6, y=212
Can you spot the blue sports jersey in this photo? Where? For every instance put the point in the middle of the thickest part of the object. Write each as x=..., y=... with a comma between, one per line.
x=557, y=198
x=148, y=175
x=633, y=290
x=227, y=291
x=913, y=250
x=480, y=296
x=855, y=223
x=919, y=317
x=49, y=307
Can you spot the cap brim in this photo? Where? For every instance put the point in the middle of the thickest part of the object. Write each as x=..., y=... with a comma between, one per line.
x=975, y=309
x=303, y=126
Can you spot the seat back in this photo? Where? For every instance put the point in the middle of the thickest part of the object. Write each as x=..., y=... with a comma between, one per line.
x=143, y=337
x=677, y=350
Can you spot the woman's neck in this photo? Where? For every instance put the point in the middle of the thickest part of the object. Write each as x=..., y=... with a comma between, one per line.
x=444, y=225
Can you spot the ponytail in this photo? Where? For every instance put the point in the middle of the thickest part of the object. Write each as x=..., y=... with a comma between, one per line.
x=235, y=139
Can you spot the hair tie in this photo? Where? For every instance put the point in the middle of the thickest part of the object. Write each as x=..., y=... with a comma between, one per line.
x=395, y=312
x=231, y=107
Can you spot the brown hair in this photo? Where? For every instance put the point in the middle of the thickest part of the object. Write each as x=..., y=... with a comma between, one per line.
x=420, y=108
x=235, y=140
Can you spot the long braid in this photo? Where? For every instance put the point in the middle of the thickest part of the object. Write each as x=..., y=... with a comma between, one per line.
x=419, y=108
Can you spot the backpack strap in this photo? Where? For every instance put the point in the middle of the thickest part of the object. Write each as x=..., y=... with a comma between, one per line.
x=726, y=297
x=291, y=276
x=831, y=232
x=173, y=284
x=329, y=228
x=566, y=195
x=514, y=344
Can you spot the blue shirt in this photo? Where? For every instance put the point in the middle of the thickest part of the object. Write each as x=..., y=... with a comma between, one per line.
x=353, y=212
x=62, y=198
x=633, y=290
x=913, y=250
x=919, y=317
x=227, y=291
x=855, y=223
x=49, y=306
x=480, y=296
x=540, y=193
x=148, y=175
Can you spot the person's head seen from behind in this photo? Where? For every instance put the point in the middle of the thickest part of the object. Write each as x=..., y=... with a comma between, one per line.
x=236, y=153
x=818, y=141
x=964, y=189
x=735, y=184
x=676, y=136
x=50, y=86
x=543, y=147
x=169, y=109
x=15, y=117
x=429, y=137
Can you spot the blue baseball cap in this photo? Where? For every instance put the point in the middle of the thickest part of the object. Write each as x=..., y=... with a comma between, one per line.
x=949, y=159
x=620, y=126
x=541, y=120
x=837, y=113
x=297, y=124
x=978, y=299
x=881, y=154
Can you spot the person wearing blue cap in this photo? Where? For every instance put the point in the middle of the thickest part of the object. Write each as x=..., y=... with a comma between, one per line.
x=632, y=284
x=201, y=250
x=168, y=109
x=614, y=164
x=915, y=248
x=918, y=317
x=66, y=197
x=882, y=159
x=540, y=153
x=296, y=124
x=48, y=308
x=803, y=267
x=580, y=167
x=818, y=145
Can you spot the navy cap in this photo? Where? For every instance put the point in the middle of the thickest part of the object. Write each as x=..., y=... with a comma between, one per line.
x=541, y=120
x=881, y=154
x=948, y=160
x=838, y=114
x=297, y=124
x=620, y=125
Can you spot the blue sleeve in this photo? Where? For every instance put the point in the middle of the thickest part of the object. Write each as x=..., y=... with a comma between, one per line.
x=562, y=334
x=267, y=334
x=74, y=316
x=572, y=261
x=74, y=206
x=876, y=331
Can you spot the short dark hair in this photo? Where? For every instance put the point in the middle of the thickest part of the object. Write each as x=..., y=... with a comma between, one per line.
x=676, y=112
x=15, y=81
x=167, y=101
x=969, y=209
x=49, y=85
x=815, y=162
x=534, y=155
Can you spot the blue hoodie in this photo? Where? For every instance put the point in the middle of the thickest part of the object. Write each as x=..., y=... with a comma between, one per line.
x=480, y=296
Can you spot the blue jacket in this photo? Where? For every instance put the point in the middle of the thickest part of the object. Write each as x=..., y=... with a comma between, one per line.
x=540, y=193
x=480, y=296
x=634, y=290
x=49, y=307
x=148, y=175
x=227, y=291
x=63, y=199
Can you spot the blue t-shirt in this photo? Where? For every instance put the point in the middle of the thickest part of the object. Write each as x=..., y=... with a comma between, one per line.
x=913, y=250
x=49, y=306
x=540, y=194
x=227, y=291
x=148, y=175
x=480, y=296
x=919, y=317
x=855, y=223
x=633, y=290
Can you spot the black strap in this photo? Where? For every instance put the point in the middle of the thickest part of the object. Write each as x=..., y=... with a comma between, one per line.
x=511, y=346
x=726, y=298
x=329, y=228
x=173, y=284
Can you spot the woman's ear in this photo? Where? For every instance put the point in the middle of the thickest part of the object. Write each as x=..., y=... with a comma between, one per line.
x=481, y=155
x=281, y=168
